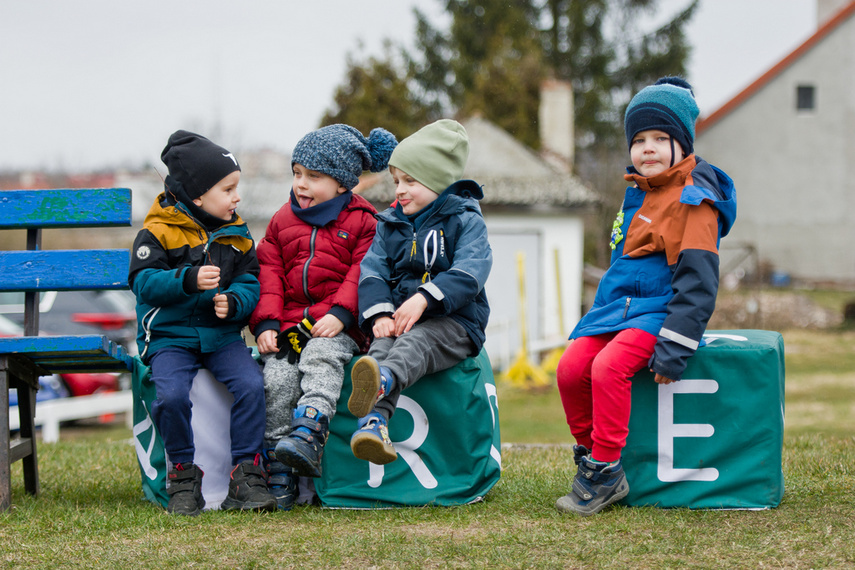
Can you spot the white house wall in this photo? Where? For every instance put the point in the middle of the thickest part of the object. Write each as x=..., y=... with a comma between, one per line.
x=793, y=170
x=538, y=236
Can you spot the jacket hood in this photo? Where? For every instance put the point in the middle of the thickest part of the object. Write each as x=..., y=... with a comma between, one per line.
x=177, y=214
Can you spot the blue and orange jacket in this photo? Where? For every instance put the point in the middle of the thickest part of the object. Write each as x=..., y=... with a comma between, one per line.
x=663, y=276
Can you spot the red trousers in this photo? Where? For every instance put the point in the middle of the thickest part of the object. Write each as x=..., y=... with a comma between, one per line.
x=594, y=382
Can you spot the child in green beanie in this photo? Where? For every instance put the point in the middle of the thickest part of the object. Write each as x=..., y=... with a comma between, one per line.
x=421, y=285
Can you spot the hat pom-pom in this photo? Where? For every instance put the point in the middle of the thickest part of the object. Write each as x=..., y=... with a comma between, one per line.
x=381, y=143
x=676, y=81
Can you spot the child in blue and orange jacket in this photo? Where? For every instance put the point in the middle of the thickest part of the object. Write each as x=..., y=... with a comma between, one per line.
x=653, y=304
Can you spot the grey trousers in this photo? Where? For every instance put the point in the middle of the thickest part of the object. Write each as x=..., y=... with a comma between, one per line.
x=315, y=380
x=431, y=346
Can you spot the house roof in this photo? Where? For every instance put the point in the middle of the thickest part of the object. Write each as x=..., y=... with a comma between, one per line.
x=823, y=31
x=512, y=175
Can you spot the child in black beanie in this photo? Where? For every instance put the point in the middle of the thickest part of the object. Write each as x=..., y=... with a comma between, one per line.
x=195, y=274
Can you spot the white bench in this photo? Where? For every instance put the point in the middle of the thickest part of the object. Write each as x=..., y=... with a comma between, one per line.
x=50, y=413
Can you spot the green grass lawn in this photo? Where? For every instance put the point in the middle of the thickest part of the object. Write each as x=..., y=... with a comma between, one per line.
x=90, y=513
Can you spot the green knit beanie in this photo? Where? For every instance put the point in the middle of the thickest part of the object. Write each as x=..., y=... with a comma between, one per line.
x=435, y=155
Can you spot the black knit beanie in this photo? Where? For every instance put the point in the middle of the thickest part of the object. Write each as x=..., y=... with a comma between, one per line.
x=196, y=163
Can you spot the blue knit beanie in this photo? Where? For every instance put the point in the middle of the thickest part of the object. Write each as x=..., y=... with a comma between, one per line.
x=668, y=106
x=340, y=151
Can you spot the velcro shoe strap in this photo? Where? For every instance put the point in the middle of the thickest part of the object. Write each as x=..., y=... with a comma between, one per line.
x=179, y=475
x=177, y=486
x=252, y=469
x=282, y=479
x=581, y=491
x=305, y=422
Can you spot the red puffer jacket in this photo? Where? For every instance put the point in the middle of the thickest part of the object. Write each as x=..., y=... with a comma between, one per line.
x=313, y=270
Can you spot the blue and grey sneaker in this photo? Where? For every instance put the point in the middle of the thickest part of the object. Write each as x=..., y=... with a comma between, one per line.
x=371, y=441
x=371, y=382
x=303, y=448
x=281, y=481
x=595, y=487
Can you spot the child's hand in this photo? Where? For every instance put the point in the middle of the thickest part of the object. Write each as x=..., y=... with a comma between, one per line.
x=662, y=379
x=383, y=327
x=266, y=341
x=208, y=277
x=328, y=326
x=221, y=305
x=409, y=313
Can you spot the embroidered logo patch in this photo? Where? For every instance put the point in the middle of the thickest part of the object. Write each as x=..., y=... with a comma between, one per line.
x=143, y=252
x=343, y=234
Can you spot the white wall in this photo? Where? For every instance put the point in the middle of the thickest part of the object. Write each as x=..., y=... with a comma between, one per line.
x=538, y=236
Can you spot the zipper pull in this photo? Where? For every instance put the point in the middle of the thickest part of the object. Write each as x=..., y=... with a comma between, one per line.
x=626, y=307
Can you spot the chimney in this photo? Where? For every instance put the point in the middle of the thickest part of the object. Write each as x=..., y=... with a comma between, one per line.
x=827, y=9
x=555, y=123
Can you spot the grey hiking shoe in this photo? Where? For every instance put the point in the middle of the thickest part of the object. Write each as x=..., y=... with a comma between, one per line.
x=248, y=488
x=595, y=487
x=185, y=490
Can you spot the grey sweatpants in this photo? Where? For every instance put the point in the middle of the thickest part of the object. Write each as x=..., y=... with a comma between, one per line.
x=430, y=346
x=315, y=380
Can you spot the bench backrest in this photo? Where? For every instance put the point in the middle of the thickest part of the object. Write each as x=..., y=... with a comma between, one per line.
x=33, y=270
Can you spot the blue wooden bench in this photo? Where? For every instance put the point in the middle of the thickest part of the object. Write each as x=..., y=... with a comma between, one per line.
x=24, y=359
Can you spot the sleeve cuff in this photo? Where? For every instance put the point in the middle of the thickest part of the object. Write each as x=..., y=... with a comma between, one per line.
x=342, y=314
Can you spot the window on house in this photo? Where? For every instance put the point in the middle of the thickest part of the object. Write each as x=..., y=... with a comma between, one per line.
x=805, y=98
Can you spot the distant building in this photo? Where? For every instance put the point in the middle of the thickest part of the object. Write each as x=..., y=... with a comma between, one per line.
x=788, y=141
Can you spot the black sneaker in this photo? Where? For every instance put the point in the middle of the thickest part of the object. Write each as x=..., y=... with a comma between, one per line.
x=248, y=488
x=185, y=490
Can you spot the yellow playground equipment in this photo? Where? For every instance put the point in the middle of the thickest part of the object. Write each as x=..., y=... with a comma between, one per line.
x=522, y=372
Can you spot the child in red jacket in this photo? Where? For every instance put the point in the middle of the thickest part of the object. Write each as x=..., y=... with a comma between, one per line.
x=305, y=322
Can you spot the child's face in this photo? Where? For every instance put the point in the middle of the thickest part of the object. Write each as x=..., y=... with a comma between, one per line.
x=312, y=187
x=222, y=199
x=650, y=152
x=411, y=194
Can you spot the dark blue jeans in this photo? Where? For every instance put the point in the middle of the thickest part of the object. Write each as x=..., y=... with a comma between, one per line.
x=173, y=370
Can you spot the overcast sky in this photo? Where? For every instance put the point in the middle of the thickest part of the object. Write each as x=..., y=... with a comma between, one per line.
x=93, y=83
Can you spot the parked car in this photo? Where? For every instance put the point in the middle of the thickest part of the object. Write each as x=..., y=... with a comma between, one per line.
x=108, y=312
x=62, y=385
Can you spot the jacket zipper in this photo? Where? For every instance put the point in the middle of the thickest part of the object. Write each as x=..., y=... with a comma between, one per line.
x=626, y=306
x=146, y=325
x=306, y=265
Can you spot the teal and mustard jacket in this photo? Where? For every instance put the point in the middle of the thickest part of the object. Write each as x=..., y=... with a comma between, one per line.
x=165, y=262
x=663, y=276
